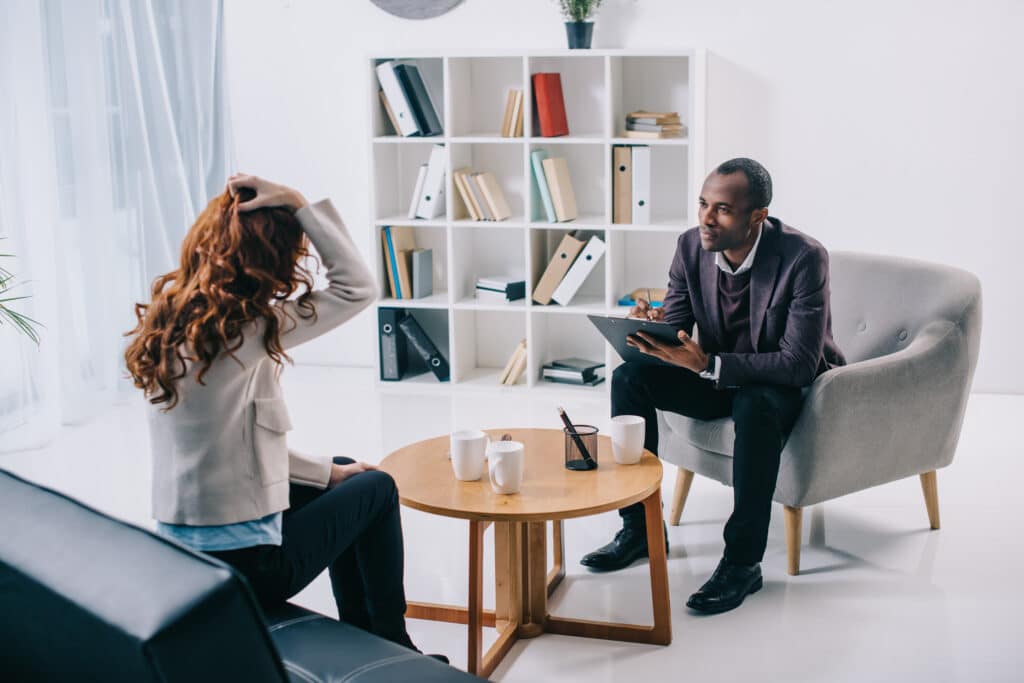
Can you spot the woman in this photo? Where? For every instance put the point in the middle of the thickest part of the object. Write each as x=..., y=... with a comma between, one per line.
x=208, y=352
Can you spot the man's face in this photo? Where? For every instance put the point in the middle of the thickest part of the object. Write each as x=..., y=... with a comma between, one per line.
x=725, y=217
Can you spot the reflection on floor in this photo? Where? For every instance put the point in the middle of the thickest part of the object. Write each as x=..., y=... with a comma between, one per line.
x=880, y=598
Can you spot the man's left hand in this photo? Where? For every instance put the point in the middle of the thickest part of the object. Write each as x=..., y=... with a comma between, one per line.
x=687, y=355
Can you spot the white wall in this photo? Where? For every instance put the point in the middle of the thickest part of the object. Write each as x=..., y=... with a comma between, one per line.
x=889, y=126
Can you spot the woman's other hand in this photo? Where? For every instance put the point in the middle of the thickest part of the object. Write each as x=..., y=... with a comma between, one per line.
x=340, y=473
x=268, y=194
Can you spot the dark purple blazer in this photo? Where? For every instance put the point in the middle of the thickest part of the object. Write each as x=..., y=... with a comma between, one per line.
x=790, y=316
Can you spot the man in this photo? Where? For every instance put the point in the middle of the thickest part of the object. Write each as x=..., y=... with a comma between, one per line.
x=758, y=291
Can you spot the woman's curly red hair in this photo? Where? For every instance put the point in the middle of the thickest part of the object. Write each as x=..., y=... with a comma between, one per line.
x=235, y=268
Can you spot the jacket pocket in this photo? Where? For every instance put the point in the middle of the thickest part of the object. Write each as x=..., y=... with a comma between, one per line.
x=270, y=442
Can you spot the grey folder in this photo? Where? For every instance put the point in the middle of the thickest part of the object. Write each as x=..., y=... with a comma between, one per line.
x=422, y=273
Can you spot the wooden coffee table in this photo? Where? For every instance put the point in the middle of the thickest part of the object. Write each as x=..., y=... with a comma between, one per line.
x=552, y=493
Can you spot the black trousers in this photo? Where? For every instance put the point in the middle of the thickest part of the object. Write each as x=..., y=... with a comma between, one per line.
x=763, y=417
x=353, y=530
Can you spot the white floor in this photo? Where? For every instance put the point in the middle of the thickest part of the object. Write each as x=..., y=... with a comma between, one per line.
x=881, y=597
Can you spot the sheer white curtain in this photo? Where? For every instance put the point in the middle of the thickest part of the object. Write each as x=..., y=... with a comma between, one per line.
x=113, y=136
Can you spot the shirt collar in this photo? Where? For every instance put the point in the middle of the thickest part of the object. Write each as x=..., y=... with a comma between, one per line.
x=748, y=262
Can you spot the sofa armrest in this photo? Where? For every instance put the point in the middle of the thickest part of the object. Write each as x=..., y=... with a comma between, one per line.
x=879, y=420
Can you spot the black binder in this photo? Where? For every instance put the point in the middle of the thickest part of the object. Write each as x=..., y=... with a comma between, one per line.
x=393, y=354
x=419, y=99
x=424, y=347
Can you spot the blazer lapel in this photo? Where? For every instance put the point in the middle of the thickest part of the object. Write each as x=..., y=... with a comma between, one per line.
x=763, y=277
x=709, y=295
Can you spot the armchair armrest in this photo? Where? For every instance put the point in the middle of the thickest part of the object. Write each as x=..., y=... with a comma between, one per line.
x=879, y=420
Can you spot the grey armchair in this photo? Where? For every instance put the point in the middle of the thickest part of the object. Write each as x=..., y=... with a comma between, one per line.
x=910, y=332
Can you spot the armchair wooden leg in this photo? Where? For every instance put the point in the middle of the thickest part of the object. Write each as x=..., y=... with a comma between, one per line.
x=794, y=520
x=930, y=486
x=683, y=480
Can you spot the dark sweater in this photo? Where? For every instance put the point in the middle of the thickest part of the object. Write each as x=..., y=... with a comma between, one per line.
x=734, y=304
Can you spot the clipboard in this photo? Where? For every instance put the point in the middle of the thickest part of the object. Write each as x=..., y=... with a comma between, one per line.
x=615, y=329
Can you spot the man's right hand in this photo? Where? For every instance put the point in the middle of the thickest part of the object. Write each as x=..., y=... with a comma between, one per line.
x=644, y=311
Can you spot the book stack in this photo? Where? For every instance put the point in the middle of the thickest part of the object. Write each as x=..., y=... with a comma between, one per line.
x=515, y=367
x=406, y=100
x=482, y=196
x=428, y=195
x=631, y=184
x=552, y=187
x=654, y=125
x=500, y=289
x=512, y=123
x=577, y=371
x=572, y=262
x=549, y=105
x=410, y=270
x=398, y=331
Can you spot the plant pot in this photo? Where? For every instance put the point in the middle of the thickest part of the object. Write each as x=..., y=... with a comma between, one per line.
x=579, y=34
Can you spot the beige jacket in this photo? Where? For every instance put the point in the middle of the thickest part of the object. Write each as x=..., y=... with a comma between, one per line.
x=221, y=455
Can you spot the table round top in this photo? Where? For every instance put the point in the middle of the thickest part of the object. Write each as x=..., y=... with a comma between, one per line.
x=423, y=472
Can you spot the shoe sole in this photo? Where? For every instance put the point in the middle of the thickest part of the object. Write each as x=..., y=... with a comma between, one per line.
x=718, y=609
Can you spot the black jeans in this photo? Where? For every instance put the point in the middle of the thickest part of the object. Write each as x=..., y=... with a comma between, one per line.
x=763, y=416
x=353, y=530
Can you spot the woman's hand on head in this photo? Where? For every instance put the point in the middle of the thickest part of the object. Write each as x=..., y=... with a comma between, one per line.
x=268, y=194
x=340, y=473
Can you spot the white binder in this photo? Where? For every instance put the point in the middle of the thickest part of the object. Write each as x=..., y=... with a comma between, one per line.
x=432, y=196
x=641, y=185
x=414, y=203
x=581, y=268
x=396, y=98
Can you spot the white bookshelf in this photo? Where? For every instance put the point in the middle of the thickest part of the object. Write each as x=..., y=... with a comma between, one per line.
x=468, y=90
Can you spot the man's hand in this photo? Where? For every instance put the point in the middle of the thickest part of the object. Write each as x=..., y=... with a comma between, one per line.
x=340, y=473
x=268, y=194
x=644, y=311
x=687, y=355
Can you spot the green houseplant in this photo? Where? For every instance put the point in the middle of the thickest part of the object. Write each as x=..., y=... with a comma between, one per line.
x=578, y=29
x=8, y=315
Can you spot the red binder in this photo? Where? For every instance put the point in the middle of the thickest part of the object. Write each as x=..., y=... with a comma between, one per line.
x=547, y=95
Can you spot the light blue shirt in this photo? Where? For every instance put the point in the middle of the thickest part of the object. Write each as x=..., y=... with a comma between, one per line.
x=262, y=531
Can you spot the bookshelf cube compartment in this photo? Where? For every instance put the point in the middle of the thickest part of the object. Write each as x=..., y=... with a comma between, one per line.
x=655, y=83
x=396, y=168
x=590, y=297
x=479, y=87
x=425, y=237
x=583, y=89
x=431, y=71
x=639, y=259
x=484, y=342
x=589, y=178
x=435, y=326
x=669, y=198
x=505, y=162
x=482, y=252
x=555, y=337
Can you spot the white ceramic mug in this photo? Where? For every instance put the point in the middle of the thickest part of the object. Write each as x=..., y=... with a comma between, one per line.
x=507, y=461
x=468, y=451
x=627, y=434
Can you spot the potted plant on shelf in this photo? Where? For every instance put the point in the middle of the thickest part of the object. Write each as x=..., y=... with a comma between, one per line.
x=577, y=27
x=22, y=323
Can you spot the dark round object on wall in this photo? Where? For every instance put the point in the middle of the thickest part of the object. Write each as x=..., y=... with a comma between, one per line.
x=416, y=9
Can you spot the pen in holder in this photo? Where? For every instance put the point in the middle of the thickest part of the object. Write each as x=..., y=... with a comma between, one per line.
x=580, y=444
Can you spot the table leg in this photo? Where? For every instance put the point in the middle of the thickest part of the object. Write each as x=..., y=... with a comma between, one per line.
x=535, y=583
x=476, y=596
x=557, y=572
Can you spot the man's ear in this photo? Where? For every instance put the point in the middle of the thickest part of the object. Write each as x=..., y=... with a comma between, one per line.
x=757, y=217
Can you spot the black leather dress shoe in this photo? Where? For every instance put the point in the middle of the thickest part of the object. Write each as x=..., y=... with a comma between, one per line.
x=628, y=546
x=727, y=588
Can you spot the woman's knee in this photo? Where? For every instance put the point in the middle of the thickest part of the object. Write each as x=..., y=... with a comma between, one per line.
x=381, y=481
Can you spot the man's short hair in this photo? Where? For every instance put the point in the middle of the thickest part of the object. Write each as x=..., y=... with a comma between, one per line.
x=759, y=183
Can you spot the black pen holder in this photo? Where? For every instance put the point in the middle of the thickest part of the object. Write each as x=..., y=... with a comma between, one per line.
x=581, y=447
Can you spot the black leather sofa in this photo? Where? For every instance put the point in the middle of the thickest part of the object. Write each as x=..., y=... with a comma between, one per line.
x=85, y=597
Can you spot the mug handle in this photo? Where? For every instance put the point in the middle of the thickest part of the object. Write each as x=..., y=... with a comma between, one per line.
x=495, y=473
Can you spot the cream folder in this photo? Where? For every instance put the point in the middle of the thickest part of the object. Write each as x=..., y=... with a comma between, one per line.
x=397, y=99
x=581, y=268
x=641, y=185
